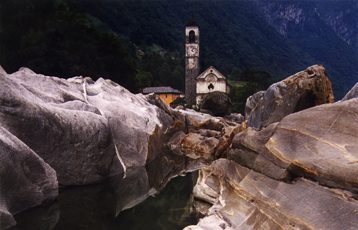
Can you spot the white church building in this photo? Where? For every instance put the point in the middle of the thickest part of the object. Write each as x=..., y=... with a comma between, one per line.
x=198, y=85
x=209, y=81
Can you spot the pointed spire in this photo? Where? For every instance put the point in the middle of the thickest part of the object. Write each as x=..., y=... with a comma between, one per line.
x=191, y=22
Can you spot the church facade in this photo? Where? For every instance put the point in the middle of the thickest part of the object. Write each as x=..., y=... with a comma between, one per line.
x=211, y=80
x=198, y=85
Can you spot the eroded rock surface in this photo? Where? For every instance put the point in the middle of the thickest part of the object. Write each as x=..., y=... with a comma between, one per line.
x=205, y=136
x=248, y=149
x=299, y=173
x=321, y=143
x=244, y=199
x=25, y=179
x=90, y=130
x=85, y=130
x=300, y=91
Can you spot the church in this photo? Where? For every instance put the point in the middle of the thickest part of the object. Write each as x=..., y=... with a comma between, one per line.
x=197, y=84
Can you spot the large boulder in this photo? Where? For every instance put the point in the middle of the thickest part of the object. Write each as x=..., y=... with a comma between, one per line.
x=300, y=91
x=244, y=199
x=25, y=179
x=319, y=143
x=216, y=103
x=85, y=130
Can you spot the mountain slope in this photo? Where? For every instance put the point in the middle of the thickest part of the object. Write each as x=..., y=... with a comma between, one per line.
x=139, y=43
x=322, y=30
x=233, y=35
x=280, y=37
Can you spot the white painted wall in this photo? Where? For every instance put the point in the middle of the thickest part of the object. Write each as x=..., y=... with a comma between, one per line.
x=202, y=86
x=189, y=28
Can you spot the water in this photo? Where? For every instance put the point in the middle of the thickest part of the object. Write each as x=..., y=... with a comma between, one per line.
x=130, y=203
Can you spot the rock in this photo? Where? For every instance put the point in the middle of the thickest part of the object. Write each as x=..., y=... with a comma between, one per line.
x=207, y=137
x=90, y=130
x=317, y=143
x=253, y=101
x=244, y=199
x=85, y=130
x=300, y=91
x=216, y=103
x=320, y=143
x=235, y=117
x=76, y=143
x=248, y=149
x=2, y=72
x=353, y=93
x=25, y=179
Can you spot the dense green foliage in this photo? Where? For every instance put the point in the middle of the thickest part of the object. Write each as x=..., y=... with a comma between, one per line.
x=232, y=35
x=246, y=83
x=57, y=38
x=141, y=43
x=52, y=38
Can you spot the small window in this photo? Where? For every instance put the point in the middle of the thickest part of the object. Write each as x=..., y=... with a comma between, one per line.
x=191, y=36
x=211, y=86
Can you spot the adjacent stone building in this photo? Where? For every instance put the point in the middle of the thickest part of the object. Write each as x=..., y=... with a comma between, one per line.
x=166, y=93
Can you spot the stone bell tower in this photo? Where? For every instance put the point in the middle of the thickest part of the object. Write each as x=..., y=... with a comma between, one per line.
x=192, y=67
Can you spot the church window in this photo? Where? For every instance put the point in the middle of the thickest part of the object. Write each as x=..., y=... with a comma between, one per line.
x=211, y=86
x=191, y=36
x=211, y=77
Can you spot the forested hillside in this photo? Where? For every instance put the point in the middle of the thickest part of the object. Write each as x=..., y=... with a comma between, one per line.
x=140, y=43
x=233, y=35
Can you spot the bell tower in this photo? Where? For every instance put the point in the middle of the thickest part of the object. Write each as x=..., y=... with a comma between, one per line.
x=192, y=67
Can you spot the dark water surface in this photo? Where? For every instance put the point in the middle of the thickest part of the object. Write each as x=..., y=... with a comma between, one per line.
x=130, y=203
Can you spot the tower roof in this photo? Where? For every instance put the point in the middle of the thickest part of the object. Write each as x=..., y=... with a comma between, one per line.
x=191, y=22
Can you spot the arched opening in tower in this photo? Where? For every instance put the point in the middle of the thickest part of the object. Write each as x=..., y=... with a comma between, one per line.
x=191, y=36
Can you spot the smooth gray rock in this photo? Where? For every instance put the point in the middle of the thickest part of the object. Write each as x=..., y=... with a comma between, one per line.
x=25, y=179
x=300, y=91
x=353, y=93
x=76, y=143
x=2, y=72
x=85, y=130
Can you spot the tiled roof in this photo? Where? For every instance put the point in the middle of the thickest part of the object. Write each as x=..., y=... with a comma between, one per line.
x=160, y=89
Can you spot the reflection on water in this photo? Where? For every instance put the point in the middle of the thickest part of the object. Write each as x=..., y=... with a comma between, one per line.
x=171, y=209
x=122, y=203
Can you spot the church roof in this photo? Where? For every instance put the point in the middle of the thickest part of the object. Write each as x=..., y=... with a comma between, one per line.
x=213, y=70
x=160, y=89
